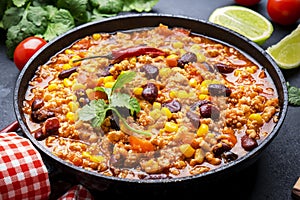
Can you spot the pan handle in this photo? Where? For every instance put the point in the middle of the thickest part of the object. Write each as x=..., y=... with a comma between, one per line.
x=13, y=127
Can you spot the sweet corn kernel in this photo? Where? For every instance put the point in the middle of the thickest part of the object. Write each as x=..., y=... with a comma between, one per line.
x=138, y=91
x=109, y=84
x=202, y=130
x=203, y=97
x=257, y=117
x=108, y=79
x=78, y=86
x=171, y=127
x=96, y=159
x=155, y=114
x=66, y=66
x=132, y=60
x=177, y=45
x=71, y=116
x=187, y=150
x=69, y=51
x=52, y=87
x=193, y=82
x=173, y=94
x=205, y=83
x=86, y=154
x=203, y=90
x=182, y=94
x=73, y=106
x=71, y=61
x=96, y=36
x=67, y=82
x=250, y=70
x=237, y=72
x=166, y=111
x=156, y=105
x=200, y=57
x=165, y=72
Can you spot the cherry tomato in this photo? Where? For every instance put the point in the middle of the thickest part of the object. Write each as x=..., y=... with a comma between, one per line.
x=25, y=50
x=284, y=12
x=247, y=2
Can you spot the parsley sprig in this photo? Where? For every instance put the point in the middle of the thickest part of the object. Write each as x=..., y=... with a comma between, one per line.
x=96, y=110
x=294, y=95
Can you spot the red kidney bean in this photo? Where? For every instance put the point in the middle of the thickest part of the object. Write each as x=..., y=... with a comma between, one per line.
x=174, y=105
x=37, y=104
x=41, y=115
x=194, y=118
x=50, y=126
x=248, y=143
x=150, y=92
x=187, y=58
x=224, y=69
x=151, y=71
x=219, y=149
x=38, y=134
x=209, y=111
x=218, y=90
x=66, y=73
x=229, y=156
x=199, y=103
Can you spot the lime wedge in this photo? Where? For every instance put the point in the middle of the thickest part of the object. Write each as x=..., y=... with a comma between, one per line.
x=244, y=21
x=286, y=52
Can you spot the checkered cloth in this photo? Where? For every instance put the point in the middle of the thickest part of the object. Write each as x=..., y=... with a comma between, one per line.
x=23, y=174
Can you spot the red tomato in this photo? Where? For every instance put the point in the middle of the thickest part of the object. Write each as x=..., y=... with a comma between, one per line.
x=247, y=2
x=26, y=49
x=284, y=12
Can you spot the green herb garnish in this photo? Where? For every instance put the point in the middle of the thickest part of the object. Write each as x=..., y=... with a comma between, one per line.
x=294, y=95
x=96, y=110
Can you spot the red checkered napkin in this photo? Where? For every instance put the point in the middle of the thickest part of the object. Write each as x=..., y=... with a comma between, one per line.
x=77, y=192
x=23, y=174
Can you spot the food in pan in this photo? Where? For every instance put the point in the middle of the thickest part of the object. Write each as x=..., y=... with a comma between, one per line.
x=153, y=103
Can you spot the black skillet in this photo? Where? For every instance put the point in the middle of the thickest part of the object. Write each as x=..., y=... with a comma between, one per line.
x=99, y=182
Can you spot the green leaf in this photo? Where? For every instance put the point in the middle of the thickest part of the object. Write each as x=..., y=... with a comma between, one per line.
x=92, y=110
x=103, y=89
x=78, y=9
x=110, y=6
x=120, y=100
x=294, y=95
x=139, y=5
x=12, y=17
x=134, y=106
x=19, y=3
x=122, y=79
x=60, y=22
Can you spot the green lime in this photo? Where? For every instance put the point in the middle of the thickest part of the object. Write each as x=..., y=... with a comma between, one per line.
x=244, y=21
x=286, y=52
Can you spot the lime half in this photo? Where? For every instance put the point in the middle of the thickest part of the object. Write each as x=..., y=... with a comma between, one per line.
x=244, y=21
x=286, y=52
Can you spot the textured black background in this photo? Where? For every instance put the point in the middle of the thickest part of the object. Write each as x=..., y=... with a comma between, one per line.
x=271, y=177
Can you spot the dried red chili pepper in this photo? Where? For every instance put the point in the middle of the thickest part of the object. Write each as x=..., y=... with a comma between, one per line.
x=121, y=54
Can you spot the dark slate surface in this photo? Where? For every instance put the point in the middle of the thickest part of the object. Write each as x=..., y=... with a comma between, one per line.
x=271, y=177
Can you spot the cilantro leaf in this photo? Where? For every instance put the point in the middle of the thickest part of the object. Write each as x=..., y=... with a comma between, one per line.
x=294, y=95
x=123, y=79
x=96, y=110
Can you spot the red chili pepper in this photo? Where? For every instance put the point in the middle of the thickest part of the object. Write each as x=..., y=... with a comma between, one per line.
x=121, y=54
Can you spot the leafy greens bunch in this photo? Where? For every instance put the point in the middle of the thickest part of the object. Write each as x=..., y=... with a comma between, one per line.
x=50, y=18
x=96, y=110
